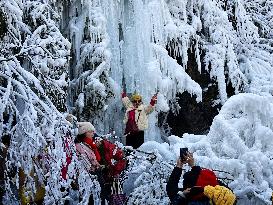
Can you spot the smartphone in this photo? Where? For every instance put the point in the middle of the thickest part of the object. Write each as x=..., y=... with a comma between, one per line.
x=183, y=153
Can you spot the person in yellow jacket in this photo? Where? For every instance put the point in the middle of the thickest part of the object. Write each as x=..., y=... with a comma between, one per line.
x=136, y=119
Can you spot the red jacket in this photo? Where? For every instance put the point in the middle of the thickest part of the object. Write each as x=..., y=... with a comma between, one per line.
x=112, y=157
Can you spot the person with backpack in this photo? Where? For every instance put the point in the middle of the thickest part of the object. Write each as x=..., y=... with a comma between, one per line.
x=200, y=186
x=114, y=162
x=136, y=119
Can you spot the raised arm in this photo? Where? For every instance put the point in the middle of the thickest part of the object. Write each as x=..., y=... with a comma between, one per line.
x=150, y=108
x=126, y=101
x=172, y=185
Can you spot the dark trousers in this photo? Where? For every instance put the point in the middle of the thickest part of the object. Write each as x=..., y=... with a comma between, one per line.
x=135, y=139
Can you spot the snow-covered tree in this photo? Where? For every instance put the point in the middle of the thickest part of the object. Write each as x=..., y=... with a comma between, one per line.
x=48, y=49
x=154, y=46
x=147, y=176
x=91, y=86
x=33, y=67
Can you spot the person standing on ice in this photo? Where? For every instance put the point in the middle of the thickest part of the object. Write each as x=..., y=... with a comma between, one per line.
x=136, y=119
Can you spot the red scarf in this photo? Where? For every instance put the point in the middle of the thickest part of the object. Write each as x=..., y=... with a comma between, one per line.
x=94, y=147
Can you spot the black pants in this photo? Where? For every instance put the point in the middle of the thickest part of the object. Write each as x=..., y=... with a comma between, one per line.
x=135, y=139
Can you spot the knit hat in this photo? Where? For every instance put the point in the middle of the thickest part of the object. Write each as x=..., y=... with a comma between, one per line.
x=220, y=195
x=84, y=127
x=136, y=97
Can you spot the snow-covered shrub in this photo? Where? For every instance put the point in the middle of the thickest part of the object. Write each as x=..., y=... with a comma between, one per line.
x=241, y=139
x=147, y=176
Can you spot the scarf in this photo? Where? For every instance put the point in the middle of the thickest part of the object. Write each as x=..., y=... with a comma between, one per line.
x=93, y=146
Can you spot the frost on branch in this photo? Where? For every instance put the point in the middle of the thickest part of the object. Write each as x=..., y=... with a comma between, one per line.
x=91, y=85
x=147, y=177
x=33, y=64
x=48, y=51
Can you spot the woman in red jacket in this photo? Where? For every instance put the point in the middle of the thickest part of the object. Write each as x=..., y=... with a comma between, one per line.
x=86, y=147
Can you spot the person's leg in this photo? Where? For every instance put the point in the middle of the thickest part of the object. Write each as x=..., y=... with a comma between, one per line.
x=129, y=139
x=91, y=200
x=135, y=139
x=139, y=139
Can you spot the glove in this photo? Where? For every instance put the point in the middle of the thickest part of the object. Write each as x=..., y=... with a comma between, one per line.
x=220, y=195
x=153, y=100
x=123, y=95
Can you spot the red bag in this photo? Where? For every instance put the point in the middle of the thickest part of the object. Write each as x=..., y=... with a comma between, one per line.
x=112, y=157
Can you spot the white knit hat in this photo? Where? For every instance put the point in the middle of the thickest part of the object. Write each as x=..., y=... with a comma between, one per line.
x=84, y=127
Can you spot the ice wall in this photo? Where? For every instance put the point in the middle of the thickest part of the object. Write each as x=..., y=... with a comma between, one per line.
x=140, y=62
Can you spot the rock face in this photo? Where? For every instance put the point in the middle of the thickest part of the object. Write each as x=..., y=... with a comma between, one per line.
x=193, y=117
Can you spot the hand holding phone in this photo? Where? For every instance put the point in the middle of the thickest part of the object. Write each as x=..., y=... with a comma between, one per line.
x=183, y=153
